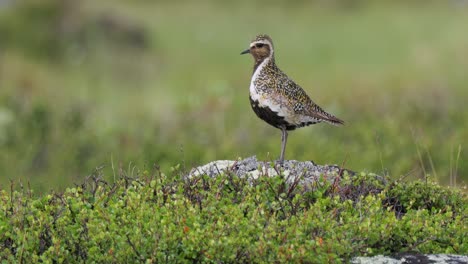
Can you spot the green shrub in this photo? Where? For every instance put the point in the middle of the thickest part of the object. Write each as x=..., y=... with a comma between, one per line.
x=159, y=217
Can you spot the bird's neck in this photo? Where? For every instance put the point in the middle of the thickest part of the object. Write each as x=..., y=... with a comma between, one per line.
x=267, y=60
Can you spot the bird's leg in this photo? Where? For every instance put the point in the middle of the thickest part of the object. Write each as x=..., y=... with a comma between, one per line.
x=284, y=139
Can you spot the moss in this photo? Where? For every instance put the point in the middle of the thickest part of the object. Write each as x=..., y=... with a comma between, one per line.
x=168, y=217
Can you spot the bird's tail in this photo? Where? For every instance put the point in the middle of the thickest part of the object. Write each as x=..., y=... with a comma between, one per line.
x=334, y=120
x=321, y=115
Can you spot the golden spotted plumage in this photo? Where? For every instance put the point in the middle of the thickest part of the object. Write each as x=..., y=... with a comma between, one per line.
x=277, y=99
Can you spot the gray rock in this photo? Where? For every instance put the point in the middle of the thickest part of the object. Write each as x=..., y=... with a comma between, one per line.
x=412, y=258
x=250, y=167
x=306, y=174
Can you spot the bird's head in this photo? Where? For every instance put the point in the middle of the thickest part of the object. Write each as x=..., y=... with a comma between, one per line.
x=260, y=48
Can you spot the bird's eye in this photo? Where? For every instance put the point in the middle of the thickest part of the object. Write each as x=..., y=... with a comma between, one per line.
x=259, y=45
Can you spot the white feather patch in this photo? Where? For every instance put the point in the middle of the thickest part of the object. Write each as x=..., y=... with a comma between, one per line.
x=253, y=90
x=265, y=100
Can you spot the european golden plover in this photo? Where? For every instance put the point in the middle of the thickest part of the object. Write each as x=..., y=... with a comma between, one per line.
x=277, y=99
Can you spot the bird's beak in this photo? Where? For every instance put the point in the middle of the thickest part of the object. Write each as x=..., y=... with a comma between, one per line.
x=245, y=52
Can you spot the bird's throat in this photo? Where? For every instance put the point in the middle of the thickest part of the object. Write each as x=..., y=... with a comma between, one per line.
x=259, y=61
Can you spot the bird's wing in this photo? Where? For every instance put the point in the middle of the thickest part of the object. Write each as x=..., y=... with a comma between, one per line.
x=302, y=104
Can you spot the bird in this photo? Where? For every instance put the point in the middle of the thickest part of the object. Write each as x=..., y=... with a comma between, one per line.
x=277, y=99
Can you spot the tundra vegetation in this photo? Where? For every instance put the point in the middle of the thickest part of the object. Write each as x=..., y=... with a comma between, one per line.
x=123, y=85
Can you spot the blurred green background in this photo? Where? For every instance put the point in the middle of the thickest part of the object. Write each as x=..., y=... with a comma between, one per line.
x=129, y=84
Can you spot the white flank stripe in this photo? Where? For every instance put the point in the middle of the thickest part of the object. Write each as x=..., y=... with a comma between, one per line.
x=253, y=91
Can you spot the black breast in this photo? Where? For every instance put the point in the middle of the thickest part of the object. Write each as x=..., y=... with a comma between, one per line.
x=272, y=118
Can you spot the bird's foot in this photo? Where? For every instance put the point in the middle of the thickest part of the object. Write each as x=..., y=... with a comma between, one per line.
x=279, y=162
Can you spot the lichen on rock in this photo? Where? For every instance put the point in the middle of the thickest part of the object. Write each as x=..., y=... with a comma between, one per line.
x=306, y=174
